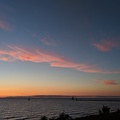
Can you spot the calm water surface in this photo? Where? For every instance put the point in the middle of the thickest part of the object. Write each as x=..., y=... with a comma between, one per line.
x=19, y=109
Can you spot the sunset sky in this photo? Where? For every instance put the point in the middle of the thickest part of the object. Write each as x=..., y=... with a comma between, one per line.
x=59, y=47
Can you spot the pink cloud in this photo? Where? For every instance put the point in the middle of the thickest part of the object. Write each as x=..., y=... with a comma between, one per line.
x=105, y=45
x=97, y=70
x=108, y=82
x=39, y=56
x=5, y=26
x=13, y=53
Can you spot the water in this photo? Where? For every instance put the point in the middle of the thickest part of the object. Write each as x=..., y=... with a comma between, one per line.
x=18, y=109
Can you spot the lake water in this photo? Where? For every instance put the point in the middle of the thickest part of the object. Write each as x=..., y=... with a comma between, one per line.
x=18, y=109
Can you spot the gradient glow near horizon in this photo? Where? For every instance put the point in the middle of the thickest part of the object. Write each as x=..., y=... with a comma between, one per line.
x=63, y=47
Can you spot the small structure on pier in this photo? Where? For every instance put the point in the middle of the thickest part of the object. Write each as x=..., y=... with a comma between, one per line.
x=73, y=98
x=29, y=99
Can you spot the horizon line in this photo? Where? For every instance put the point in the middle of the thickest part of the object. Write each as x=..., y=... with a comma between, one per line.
x=57, y=96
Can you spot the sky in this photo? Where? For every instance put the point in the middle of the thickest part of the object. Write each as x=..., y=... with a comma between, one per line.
x=59, y=47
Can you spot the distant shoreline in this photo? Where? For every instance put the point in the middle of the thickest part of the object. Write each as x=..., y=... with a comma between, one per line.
x=97, y=99
x=60, y=96
x=114, y=99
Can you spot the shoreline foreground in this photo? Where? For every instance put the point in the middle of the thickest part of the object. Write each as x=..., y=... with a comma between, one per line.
x=111, y=116
x=104, y=114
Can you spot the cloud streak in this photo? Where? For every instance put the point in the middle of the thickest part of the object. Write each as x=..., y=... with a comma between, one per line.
x=6, y=13
x=105, y=45
x=13, y=53
x=47, y=40
x=108, y=82
x=5, y=26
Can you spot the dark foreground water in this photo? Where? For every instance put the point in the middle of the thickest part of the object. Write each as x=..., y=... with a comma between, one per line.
x=17, y=109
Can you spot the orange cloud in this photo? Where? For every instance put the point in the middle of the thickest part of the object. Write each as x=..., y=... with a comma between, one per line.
x=13, y=53
x=108, y=82
x=105, y=45
x=5, y=26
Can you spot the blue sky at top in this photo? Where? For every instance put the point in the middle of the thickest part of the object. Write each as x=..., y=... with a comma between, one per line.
x=71, y=42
